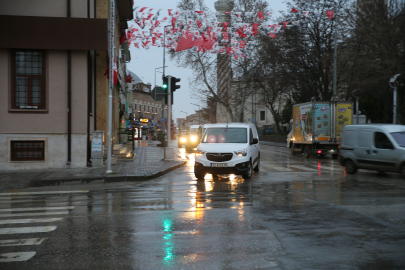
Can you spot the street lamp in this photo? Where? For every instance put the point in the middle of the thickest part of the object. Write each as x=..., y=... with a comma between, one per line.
x=199, y=122
x=393, y=81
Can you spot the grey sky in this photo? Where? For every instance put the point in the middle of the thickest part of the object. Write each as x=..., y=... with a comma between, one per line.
x=144, y=62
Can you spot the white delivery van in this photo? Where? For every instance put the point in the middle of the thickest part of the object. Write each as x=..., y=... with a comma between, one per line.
x=379, y=147
x=228, y=149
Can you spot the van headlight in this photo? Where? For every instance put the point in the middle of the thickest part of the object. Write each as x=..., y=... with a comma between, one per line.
x=183, y=139
x=241, y=153
x=194, y=138
x=199, y=153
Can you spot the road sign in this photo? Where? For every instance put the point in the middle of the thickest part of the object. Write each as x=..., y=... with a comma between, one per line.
x=253, y=120
x=162, y=119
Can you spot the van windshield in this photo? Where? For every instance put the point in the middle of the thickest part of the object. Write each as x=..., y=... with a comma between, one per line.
x=194, y=131
x=225, y=135
x=399, y=138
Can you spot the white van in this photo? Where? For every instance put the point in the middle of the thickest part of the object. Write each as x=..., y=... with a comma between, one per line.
x=228, y=149
x=379, y=147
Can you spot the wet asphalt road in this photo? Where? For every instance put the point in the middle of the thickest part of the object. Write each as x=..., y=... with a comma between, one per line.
x=296, y=213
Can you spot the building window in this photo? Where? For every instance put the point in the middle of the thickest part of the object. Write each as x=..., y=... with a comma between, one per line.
x=27, y=150
x=134, y=107
x=262, y=117
x=28, y=81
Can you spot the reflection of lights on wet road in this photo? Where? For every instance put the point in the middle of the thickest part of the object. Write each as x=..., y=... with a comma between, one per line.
x=168, y=244
x=208, y=186
x=241, y=212
x=319, y=167
x=183, y=153
x=231, y=177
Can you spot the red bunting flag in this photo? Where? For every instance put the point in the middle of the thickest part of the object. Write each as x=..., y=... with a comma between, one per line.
x=199, y=24
x=294, y=10
x=107, y=73
x=189, y=42
x=199, y=12
x=228, y=12
x=260, y=15
x=225, y=25
x=285, y=24
x=330, y=13
x=123, y=37
x=255, y=26
x=170, y=12
x=142, y=9
x=174, y=19
x=242, y=44
x=272, y=35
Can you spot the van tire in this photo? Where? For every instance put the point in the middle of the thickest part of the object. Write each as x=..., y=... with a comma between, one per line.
x=249, y=172
x=350, y=167
x=257, y=168
x=402, y=170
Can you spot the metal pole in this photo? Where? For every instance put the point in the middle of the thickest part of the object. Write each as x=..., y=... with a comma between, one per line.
x=335, y=68
x=111, y=84
x=252, y=94
x=169, y=108
x=394, y=120
x=357, y=111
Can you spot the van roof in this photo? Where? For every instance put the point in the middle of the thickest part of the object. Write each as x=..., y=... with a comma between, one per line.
x=386, y=127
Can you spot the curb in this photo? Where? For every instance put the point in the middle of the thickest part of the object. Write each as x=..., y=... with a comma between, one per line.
x=104, y=178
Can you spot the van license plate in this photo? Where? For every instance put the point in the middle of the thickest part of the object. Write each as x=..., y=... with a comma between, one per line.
x=219, y=164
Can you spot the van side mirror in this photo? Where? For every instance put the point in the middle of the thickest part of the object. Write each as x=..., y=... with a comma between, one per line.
x=255, y=141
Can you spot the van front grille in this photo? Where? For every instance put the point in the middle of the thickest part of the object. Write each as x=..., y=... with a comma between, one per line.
x=219, y=157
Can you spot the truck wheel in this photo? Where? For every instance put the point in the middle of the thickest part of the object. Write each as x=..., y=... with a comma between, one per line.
x=334, y=156
x=350, y=167
x=307, y=151
x=292, y=150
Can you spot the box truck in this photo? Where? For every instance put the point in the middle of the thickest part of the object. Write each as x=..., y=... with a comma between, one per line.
x=316, y=127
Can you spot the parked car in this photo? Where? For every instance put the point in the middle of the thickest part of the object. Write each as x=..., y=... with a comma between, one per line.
x=379, y=147
x=228, y=149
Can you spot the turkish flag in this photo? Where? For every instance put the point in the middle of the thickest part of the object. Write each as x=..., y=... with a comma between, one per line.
x=142, y=9
x=128, y=78
x=330, y=13
x=255, y=26
x=123, y=37
x=294, y=10
x=189, y=42
x=107, y=73
x=225, y=25
x=285, y=24
x=260, y=15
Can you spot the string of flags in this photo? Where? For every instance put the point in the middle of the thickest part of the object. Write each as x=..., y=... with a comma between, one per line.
x=194, y=29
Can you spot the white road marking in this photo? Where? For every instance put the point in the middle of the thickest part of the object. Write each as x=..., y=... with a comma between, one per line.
x=16, y=256
x=37, y=208
x=29, y=220
x=21, y=242
x=304, y=168
x=42, y=192
x=27, y=230
x=34, y=214
x=278, y=168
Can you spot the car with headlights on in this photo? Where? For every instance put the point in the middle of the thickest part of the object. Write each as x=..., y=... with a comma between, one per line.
x=183, y=138
x=228, y=148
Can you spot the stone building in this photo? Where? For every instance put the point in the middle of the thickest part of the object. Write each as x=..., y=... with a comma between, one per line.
x=53, y=56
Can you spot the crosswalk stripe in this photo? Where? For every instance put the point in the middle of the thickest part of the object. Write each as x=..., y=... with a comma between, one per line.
x=42, y=193
x=34, y=214
x=21, y=242
x=27, y=230
x=278, y=168
x=37, y=208
x=29, y=220
x=16, y=256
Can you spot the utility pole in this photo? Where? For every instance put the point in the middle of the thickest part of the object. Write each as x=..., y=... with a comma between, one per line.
x=393, y=80
x=111, y=84
x=251, y=73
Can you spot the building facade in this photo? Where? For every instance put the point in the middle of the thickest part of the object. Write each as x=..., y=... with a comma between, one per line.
x=53, y=56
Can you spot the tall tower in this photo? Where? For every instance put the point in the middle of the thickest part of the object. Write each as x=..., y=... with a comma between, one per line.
x=224, y=66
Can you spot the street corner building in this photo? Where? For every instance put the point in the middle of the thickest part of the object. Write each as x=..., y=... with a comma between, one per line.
x=53, y=92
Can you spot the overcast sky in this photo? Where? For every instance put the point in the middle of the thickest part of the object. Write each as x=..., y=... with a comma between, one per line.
x=143, y=62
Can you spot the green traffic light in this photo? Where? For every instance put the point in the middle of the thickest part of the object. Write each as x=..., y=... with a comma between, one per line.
x=164, y=86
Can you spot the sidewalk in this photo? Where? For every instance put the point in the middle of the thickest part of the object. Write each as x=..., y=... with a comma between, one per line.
x=148, y=164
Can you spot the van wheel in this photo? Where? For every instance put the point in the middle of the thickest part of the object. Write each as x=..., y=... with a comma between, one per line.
x=248, y=174
x=199, y=174
x=257, y=168
x=403, y=170
x=350, y=167
x=335, y=156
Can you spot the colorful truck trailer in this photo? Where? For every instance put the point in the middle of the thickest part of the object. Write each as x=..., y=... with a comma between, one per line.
x=317, y=126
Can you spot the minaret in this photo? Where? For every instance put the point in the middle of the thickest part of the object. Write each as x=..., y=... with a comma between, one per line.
x=224, y=66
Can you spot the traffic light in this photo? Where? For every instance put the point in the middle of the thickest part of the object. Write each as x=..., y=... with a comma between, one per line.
x=173, y=86
x=165, y=84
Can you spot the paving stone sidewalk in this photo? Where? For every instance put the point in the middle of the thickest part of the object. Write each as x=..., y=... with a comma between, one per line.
x=147, y=164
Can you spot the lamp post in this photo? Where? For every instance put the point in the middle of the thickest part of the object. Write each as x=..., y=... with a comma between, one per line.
x=253, y=119
x=394, y=81
x=199, y=122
